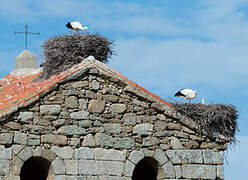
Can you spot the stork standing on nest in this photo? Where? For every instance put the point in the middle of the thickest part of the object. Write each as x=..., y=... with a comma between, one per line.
x=187, y=94
x=76, y=26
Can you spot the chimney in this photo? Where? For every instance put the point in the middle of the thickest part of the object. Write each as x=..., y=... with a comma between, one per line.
x=25, y=60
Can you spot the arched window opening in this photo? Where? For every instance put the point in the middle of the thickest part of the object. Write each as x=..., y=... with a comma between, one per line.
x=35, y=168
x=147, y=168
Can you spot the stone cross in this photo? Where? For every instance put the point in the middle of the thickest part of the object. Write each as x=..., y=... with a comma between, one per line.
x=26, y=35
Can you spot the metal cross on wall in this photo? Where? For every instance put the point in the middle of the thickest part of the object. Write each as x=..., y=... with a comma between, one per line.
x=26, y=35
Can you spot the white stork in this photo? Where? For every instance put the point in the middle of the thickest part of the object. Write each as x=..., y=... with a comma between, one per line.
x=188, y=94
x=76, y=26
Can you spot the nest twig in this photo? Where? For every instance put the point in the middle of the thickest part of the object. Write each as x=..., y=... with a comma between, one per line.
x=216, y=118
x=62, y=52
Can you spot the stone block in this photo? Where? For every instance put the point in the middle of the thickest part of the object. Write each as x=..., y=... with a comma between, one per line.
x=71, y=102
x=59, y=123
x=160, y=156
x=47, y=154
x=50, y=109
x=147, y=152
x=185, y=156
x=140, y=103
x=129, y=119
x=85, y=178
x=16, y=166
x=79, y=84
x=118, y=108
x=175, y=143
x=163, y=133
x=93, y=70
x=90, y=94
x=12, y=126
x=71, y=167
x=54, y=139
x=5, y=153
x=4, y=167
x=150, y=141
x=112, y=89
x=129, y=168
x=63, y=152
x=25, y=154
x=169, y=170
x=104, y=140
x=161, y=117
x=180, y=134
x=110, y=98
x=85, y=123
x=83, y=104
x=58, y=166
x=136, y=156
x=33, y=142
x=37, y=151
x=160, y=125
x=158, y=106
x=220, y=172
x=74, y=142
x=79, y=115
x=60, y=177
x=6, y=138
x=95, y=85
x=208, y=145
x=143, y=129
x=110, y=154
x=93, y=167
x=71, y=130
x=190, y=144
x=96, y=106
x=174, y=126
x=113, y=178
x=20, y=138
x=89, y=141
x=178, y=171
x=113, y=128
x=84, y=153
x=211, y=157
x=10, y=177
x=17, y=148
x=71, y=177
x=187, y=130
x=194, y=171
x=125, y=143
x=26, y=116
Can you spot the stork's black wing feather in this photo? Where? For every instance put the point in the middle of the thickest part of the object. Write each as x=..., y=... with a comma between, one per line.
x=68, y=25
x=178, y=94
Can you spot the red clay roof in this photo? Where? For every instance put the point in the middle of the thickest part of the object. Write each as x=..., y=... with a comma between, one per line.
x=16, y=91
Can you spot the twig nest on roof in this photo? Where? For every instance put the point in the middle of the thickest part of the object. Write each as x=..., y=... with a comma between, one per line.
x=62, y=52
x=215, y=118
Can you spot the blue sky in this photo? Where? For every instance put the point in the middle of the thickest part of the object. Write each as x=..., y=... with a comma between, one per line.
x=163, y=45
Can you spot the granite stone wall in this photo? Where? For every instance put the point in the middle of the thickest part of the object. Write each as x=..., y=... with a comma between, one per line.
x=95, y=127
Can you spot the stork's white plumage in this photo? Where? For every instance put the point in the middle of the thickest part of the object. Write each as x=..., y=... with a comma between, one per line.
x=188, y=94
x=76, y=26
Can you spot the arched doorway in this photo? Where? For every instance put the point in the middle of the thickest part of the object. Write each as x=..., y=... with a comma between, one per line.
x=35, y=168
x=147, y=168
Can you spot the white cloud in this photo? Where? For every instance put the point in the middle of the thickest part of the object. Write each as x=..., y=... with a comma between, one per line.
x=236, y=168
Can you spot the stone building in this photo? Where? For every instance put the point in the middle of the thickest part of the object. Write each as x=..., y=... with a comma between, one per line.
x=91, y=123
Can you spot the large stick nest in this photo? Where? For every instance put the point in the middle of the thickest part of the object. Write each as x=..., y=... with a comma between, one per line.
x=215, y=118
x=62, y=52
